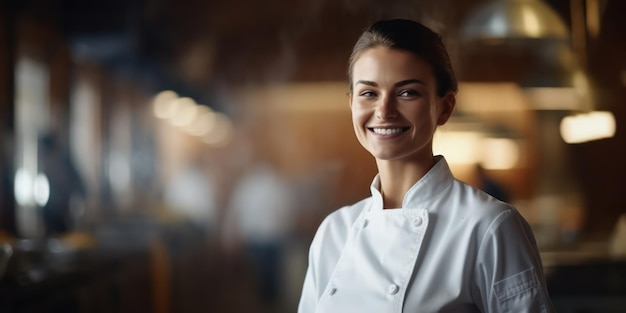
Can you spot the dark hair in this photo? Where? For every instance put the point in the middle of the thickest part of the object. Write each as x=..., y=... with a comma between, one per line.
x=415, y=38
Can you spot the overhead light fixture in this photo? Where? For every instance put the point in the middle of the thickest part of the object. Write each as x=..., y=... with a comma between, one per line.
x=585, y=127
x=514, y=19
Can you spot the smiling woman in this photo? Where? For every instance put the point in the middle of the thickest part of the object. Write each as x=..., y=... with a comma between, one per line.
x=395, y=107
x=423, y=241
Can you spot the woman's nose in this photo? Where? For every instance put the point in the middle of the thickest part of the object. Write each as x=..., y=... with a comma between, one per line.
x=386, y=108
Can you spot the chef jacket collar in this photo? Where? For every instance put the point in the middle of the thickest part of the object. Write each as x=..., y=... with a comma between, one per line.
x=425, y=190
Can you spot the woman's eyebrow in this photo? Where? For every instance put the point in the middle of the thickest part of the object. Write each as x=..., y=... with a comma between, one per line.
x=366, y=82
x=398, y=84
x=408, y=81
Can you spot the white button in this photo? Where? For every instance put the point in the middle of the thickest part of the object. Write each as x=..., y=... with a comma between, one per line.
x=365, y=222
x=393, y=289
x=417, y=222
x=332, y=291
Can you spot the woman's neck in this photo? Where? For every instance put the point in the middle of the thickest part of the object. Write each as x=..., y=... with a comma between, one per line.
x=398, y=176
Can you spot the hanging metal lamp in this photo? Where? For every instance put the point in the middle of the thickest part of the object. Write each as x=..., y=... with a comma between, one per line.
x=514, y=19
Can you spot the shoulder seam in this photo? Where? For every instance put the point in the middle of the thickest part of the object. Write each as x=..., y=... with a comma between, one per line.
x=495, y=221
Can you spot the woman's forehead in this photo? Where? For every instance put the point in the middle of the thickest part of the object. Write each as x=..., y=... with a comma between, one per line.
x=387, y=63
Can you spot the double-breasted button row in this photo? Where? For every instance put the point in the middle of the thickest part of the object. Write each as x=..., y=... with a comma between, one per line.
x=392, y=289
x=417, y=222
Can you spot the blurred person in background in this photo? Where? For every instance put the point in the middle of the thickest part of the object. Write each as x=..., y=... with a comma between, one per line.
x=192, y=194
x=489, y=185
x=424, y=241
x=66, y=203
x=7, y=212
x=260, y=220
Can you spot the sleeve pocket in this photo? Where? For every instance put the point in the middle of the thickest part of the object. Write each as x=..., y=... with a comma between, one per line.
x=520, y=293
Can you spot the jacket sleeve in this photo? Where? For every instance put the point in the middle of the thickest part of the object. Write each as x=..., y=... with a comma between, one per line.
x=508, y=272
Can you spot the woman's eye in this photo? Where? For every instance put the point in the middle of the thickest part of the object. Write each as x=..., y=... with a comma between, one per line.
x=408, y=94
x=367, y=94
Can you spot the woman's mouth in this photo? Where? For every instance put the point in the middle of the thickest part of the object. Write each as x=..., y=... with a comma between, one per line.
x=388, y=131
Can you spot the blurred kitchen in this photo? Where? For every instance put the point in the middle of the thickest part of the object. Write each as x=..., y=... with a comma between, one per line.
x=178, y=156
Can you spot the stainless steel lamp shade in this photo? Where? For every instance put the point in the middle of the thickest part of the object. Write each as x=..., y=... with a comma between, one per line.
x=514, y=19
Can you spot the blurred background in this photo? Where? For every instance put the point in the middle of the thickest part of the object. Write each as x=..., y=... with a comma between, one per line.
x=178, y=156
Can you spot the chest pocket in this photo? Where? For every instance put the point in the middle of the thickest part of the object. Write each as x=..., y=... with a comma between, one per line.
x=376, y=264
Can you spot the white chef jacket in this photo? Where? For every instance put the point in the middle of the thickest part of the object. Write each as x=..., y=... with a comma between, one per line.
x=451, y=248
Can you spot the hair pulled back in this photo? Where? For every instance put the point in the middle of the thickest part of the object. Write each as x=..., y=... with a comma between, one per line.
x=413, y=37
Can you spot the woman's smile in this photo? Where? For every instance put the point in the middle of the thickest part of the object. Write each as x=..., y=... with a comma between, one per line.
x=388, y=132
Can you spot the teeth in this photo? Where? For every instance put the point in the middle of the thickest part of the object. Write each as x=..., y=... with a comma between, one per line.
x=387, y=131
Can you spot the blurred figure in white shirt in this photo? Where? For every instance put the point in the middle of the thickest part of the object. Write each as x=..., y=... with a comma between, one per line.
x=191, y=194
x=260, y=218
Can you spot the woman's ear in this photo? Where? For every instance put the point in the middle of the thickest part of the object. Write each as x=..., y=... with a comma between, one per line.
x=447, y=104
x=349, y=94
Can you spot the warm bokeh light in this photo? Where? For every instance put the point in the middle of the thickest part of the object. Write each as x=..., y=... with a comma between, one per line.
x=531, y=23
x=162, y=103
x=459, y=147
x=203, y=122
x=470, y=147
x=185, y=111
x=220, y=133
x=586, y=127
x=499, y=153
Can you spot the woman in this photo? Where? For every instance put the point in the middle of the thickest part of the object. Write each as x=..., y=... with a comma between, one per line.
x=423, y=242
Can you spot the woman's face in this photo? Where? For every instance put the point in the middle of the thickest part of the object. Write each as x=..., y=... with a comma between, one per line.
x=394, y=103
